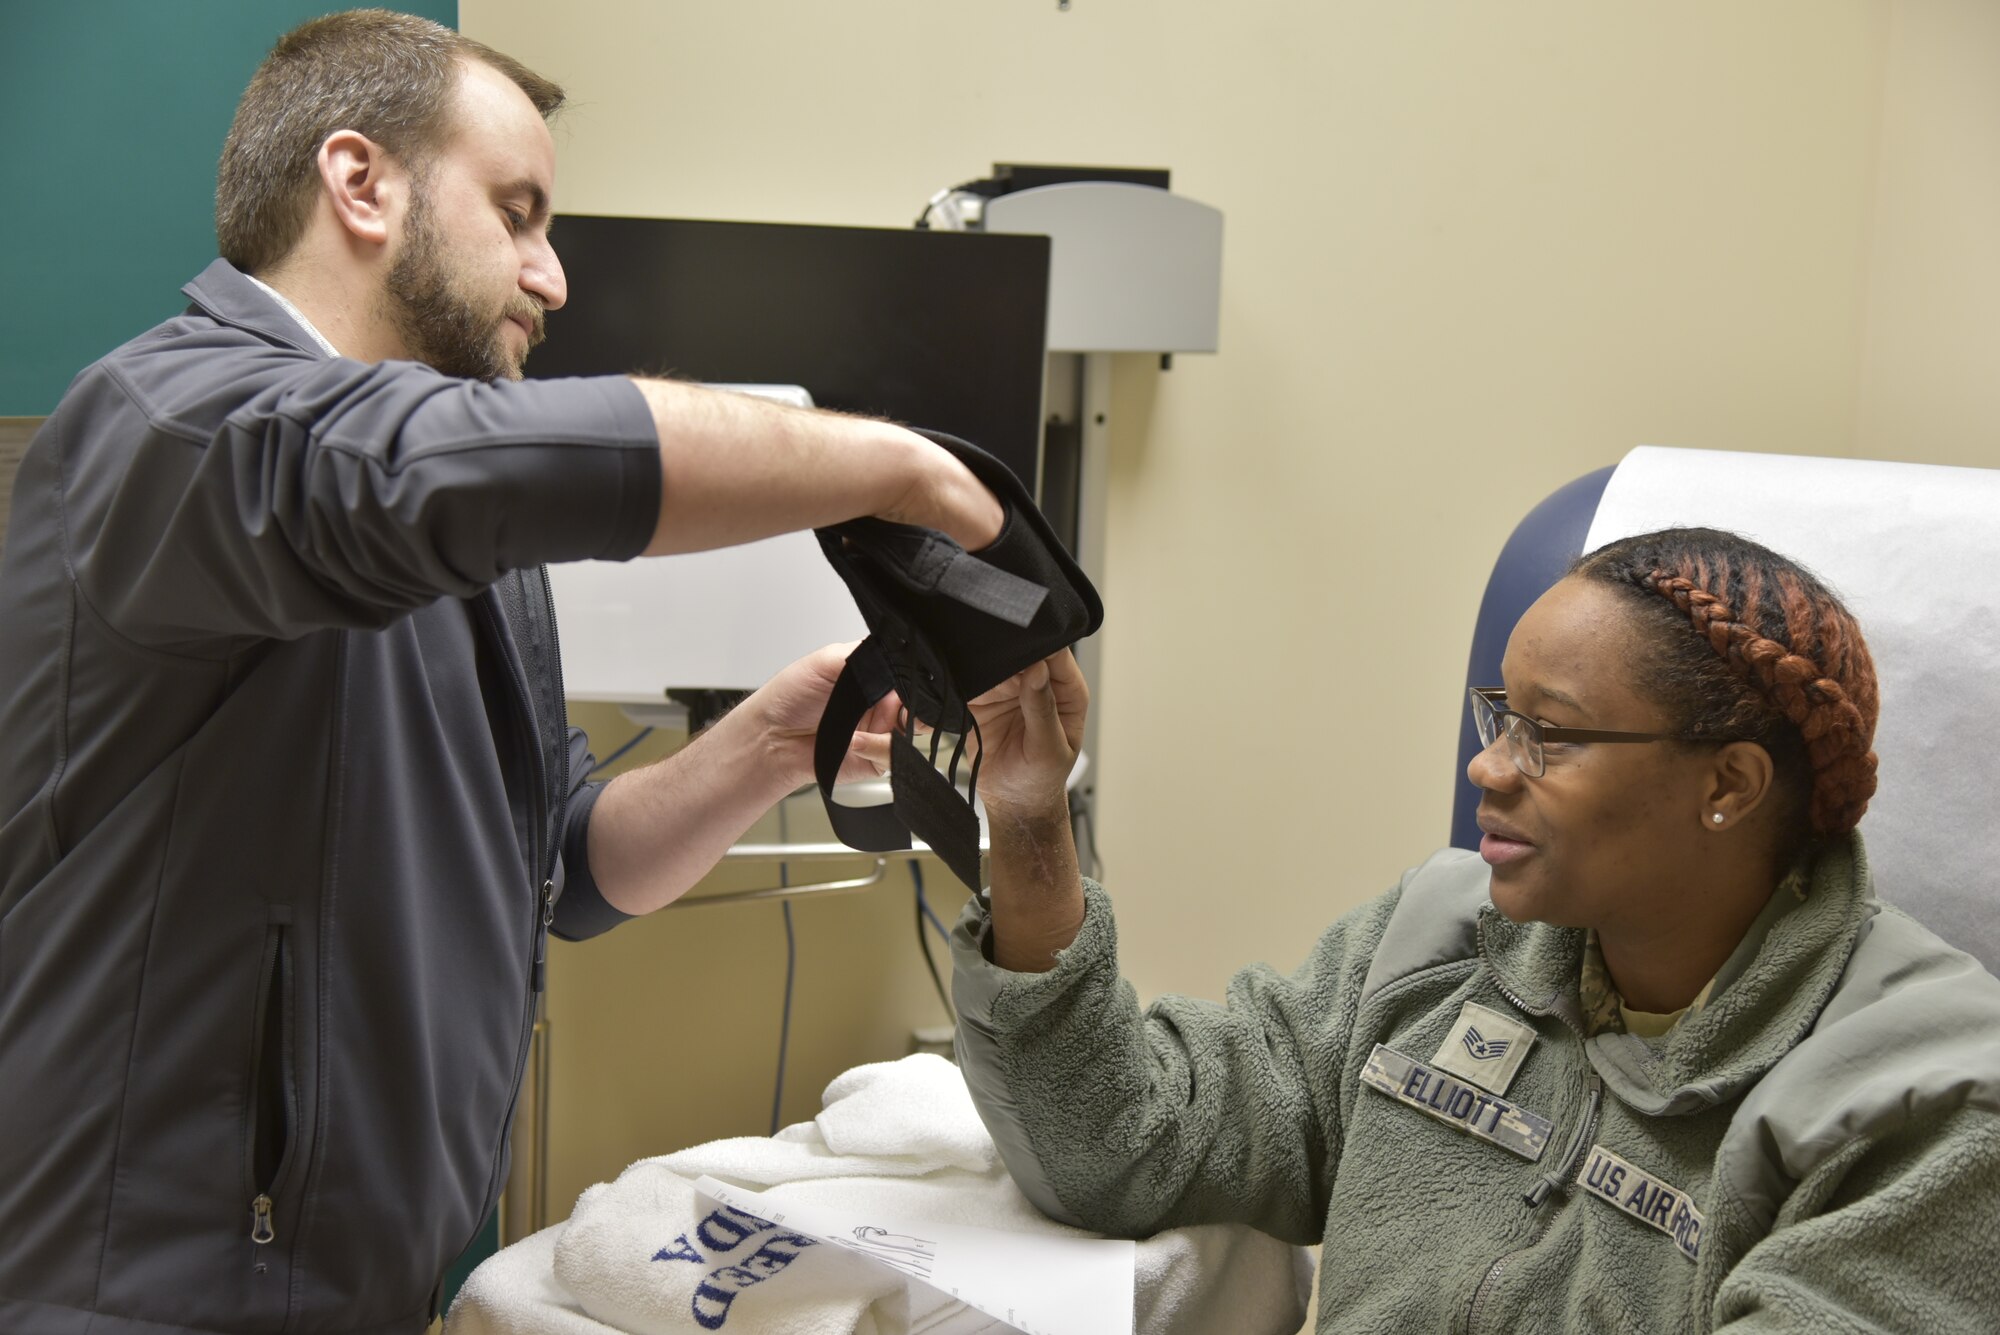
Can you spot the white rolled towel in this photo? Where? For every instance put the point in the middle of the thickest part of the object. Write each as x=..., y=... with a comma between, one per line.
x=647, y=1254
x=916, y=1151
x=914, y=1110
x=515, y=1292
x=885, y=1119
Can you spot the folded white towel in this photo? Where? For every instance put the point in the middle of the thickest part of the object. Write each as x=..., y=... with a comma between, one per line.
x=915, y=1151
x=913, y=1109
x=648, y=1254
x=1220, y=1277
x=886, y=1119
x=1204, y=1280
x=516, y=1292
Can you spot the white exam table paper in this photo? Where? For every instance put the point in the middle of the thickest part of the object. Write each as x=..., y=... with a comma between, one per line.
x=1078, y=1286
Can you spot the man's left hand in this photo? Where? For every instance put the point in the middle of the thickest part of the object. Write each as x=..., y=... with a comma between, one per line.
x=788, y=709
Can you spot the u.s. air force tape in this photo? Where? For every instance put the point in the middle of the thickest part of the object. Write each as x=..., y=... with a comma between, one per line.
x=1644, y=1197
x=1473, y=1110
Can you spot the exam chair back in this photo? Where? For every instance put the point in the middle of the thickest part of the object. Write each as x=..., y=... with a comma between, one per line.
x=1913, y=549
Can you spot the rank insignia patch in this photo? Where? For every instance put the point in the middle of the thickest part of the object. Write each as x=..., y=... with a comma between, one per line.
x=1474, y=1111
x=1485, y=1047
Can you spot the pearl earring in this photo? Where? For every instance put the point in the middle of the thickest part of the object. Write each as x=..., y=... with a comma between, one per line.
x=1717, y=818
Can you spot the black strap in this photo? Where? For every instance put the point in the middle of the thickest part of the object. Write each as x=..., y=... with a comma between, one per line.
x=934, y=809
x=864, y=680
x=924, y=800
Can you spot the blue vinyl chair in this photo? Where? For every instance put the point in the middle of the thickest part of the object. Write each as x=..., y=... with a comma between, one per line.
x=1914, y=550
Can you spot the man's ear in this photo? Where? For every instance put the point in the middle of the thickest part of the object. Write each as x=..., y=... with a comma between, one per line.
x=362, y=182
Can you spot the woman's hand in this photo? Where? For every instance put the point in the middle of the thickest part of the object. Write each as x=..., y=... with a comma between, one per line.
x=1031, y=727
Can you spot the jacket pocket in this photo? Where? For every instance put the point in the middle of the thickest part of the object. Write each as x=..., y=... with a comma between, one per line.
x=271, y=1124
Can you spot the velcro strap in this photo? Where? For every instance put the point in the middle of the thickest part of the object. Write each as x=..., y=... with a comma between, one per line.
x=922, y=560
x=996, y=592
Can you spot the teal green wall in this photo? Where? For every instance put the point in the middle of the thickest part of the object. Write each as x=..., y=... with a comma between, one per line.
x=112, y=114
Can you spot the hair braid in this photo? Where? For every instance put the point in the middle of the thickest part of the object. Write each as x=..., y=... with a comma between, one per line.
x=1837, y=737
x=1775, y=659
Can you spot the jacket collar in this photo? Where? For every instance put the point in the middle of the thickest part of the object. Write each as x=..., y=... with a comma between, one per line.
x=1718, y=1052
x=222, y=291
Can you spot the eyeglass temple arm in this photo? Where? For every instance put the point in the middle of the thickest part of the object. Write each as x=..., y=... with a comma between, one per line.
x=1554, y=734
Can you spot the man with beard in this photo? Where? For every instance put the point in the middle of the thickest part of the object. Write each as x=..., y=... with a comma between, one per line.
x=288, y=805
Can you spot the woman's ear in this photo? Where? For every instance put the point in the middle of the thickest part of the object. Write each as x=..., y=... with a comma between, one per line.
x=1739, y=783
x=361, y=182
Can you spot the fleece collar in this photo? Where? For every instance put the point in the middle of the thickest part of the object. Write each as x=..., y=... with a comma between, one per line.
x=1717, y=1053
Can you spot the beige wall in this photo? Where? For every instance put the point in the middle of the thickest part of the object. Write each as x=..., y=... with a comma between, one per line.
x=1930, y=382
x=1473, y=251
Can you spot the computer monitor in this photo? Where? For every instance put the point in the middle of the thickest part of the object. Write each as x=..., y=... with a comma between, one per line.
x=935, y=329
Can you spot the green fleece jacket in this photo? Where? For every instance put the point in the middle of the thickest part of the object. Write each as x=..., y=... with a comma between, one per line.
x=1816, y=1150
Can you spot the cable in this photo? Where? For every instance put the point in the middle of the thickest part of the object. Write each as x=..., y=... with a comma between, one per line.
x=791, y=964
x=923, y=904
x=924, y=942
x=944, y=933
x=615, y=756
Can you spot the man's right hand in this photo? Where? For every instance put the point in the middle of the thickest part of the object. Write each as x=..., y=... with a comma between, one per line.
x=947, y=497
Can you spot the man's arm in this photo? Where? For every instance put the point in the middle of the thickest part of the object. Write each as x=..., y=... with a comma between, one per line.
x=735, y=468
x=656, y=831
x=275, y=494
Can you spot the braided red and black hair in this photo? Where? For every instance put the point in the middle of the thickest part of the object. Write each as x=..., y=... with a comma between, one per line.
x=1774, y=657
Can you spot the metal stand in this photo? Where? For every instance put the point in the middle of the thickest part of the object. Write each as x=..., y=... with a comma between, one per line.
x=1079, y=399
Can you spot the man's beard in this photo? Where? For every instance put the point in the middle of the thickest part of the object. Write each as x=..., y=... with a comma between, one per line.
x=439, y=324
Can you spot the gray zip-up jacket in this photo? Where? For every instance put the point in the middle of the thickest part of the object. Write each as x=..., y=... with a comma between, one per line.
x=286, y=792
x=1816, y=1150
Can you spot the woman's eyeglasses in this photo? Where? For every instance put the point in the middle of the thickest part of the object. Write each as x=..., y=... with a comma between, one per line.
x=1525, y=737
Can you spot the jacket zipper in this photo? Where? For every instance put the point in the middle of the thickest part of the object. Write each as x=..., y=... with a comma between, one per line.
x=539, y=974
x=274, y=988
x=555, y=796
x=542, y=847
x=1489, y=1284
x=555, y=657
x=1564, y=1175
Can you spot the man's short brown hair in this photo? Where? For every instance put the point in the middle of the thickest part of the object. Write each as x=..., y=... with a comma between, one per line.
x=388, y=76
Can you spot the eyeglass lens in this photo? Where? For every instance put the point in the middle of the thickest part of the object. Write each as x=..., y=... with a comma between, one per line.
x=1524, y=740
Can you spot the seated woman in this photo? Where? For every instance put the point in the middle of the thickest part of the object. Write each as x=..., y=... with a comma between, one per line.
x=1655, y=1059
